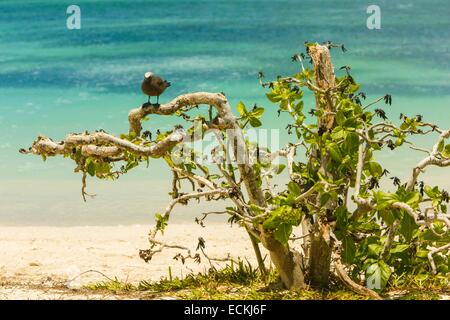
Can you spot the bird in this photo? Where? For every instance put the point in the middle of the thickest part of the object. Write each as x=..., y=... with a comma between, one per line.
x=152, y=85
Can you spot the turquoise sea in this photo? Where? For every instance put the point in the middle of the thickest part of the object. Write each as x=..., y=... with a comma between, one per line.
x=54, y=81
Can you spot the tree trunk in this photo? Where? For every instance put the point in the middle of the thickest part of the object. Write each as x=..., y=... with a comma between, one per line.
x=320, y=256
x=320, y=251
x=259, y=258
x=289, y=263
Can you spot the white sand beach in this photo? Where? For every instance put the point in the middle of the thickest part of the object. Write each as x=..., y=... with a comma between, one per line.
x=40, y=262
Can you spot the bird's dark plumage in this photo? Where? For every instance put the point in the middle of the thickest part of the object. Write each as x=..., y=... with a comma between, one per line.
x=153, y=86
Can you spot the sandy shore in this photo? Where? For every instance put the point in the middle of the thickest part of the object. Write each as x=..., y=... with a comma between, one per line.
x=42, y=262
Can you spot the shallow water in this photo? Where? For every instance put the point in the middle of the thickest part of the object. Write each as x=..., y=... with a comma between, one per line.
x=54, y=81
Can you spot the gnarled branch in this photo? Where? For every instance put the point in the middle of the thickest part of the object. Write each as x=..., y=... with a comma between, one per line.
x=217, y=100
x=103, y=145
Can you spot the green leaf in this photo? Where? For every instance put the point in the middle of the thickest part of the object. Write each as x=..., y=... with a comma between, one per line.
x=299, y=107
x=90, y=167
x=446, y=151
x=273, y=97
x=283, y=232
x=399, y=142
x=399, y=248
x=294, y=188
x=433, y=193
x=327, y=196
x=351, y=122
x=254, y=122
x=241, y=108
x=335, y=152
x=102, y=168
x=351, y=143
x=441, y=146
x=366, y=227
x=377, y=275
x=412, y=198
x=280, y=168
x=300, y=119
x=407, y=226
x=341, y=215
x=271, y=223
x=348, y=254
x=422, y=254
x=340, y=117
x=384, y=199
x=375, y=249
x=324, y=198
x=375, y=169
x=283, y=215
x=338, y=133
x=257, y=112
x=284, y=105
x=281, y=221
x=388, y=216
x=132, y=136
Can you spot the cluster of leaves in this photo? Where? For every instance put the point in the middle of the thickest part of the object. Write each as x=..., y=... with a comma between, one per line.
x=94, y=166
x=251, y=117
x=281, y=221
x=362, y=232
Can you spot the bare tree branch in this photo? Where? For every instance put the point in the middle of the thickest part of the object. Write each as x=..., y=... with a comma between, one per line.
x=103, y=145
x=434, y=251
x=433, y=159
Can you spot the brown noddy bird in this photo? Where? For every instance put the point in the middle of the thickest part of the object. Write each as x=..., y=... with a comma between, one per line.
x=153, y=85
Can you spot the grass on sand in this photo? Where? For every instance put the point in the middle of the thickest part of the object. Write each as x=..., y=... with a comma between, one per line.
x=242, y=281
